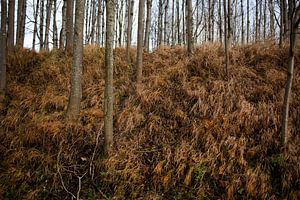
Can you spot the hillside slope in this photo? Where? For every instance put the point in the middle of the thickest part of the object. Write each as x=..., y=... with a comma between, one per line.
x=185, y=134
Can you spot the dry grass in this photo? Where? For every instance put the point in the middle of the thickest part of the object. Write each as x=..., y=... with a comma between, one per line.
x=185, y=134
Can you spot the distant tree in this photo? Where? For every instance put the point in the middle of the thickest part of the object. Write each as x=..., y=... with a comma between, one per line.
x=140, y=34
x=3, y=49
x=62, y=34
x=226, y=36
x=108, y=96
x=294, y=19
x=48, y=17
x=189, y=26
x=42, y=25
x=73, y=109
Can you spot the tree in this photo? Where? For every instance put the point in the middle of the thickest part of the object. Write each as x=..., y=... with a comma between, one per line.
x=148, y=25
x=129, y=28
x=189, y=26
x=69, y=25
x=139, y=56
x=11, y=24
x=35, y=24
x=294, y=19
x=48, y=17
x=76, y=88
x=108, y=96
x=21, y=22
x=226, y=36
x=42, y=25
x=3, y=49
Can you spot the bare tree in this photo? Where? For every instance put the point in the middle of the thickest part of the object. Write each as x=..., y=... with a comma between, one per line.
x=48, y=17
x=108, y=96
x=189, y=26
x=129, y=29
x=21, y=23
x=35, y=24
x=226, y=36
x=139, y=56
x=294, y=19
x=73, y=109
x=148, y=25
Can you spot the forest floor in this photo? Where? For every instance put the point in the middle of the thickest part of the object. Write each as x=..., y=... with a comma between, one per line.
x=186, y=133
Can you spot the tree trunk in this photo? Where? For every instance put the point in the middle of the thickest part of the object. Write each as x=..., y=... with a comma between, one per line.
x=178, y=22
x=62, y=35
x=166, y=22
x=139, y=56
x=159, y=29
x=55, y=36
x=109, y=95
x=73, y=109
x=11, y=24
x=226, y=36
x=243, y=30
x=21, y=22
x=3, y=49
x=173, y=23
x=220, y=22
x=294, y=22
x=35, y=24
x=42, y=25
x=189, y=26
x=229, y=20
x=148, y=25
x=69, y=26
x=129, y=29
x=48, y=17
x=272, y=20
x=248, y=22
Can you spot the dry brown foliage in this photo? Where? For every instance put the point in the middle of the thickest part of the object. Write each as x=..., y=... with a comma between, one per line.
x=184, y=134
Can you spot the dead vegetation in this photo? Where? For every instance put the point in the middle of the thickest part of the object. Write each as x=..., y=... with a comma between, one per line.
x=185, y=134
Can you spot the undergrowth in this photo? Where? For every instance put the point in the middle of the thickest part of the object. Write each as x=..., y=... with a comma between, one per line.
x=185, y=134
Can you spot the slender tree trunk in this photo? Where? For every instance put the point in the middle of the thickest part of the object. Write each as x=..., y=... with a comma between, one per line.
x=62, y=35
x=48, y=17
x=173, y=23
x=272, y=20
x=121, y=18
x=148, y=25
x=42, y=25
x=257, y=21
x=160, y=17
x=243, y=29
x=226, y=36
x=248, y=22
x=92, y=36
x=103, y=24
x=21, y=22
x=265, y=20
x=166, y=22
x=129, y=29
x=99, y=14
x=35, y=24
x=69, y=26
x=73, y=109
x=294, y=23
x=11, y=24
x=184, y=24
x=109, y=95
x=189, y=26
x=55, y=36
x=140, y=34
x=178, y=22
x=229, y=20
x=220, y=22
x=3, y=49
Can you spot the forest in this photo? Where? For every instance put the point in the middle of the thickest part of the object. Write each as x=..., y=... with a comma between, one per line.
x=149, y=99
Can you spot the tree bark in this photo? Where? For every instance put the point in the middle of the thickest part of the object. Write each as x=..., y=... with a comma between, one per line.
x=148, y=25
x=21, y=23
x=42, y=25
x=129, y=29
x=69, y=26
x=35, y=24
x=48, y=17
x=272, y=20
x=189, y=26
x=248, y=22
x=140, y=34
x=3, y=49
x=62, y=35
x=108, y=96
x=294, y=23
x=73, y=109
x=226, y=36
x=11, y=24
x=243, y=30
